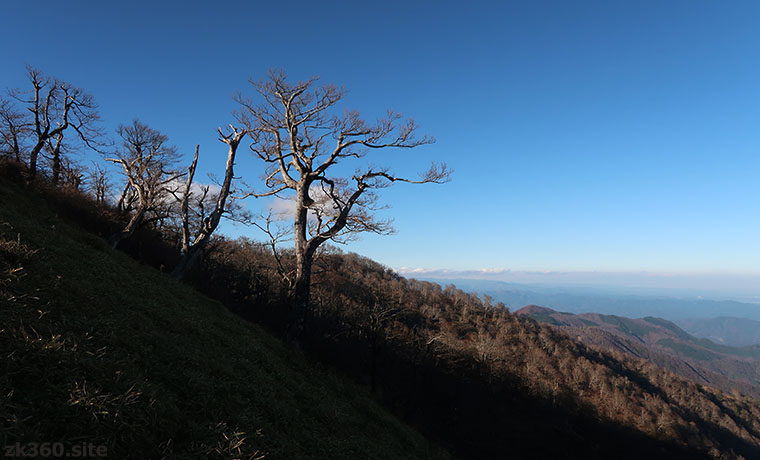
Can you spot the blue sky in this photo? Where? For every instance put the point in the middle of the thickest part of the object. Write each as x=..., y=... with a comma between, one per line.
x=585, y=136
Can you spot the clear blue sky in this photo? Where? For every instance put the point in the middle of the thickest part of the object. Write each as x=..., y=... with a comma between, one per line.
x=603, y=136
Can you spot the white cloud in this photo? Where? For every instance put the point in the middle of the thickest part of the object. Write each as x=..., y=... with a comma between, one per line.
x=196, y=188
x=282, y=209
x=285, y=208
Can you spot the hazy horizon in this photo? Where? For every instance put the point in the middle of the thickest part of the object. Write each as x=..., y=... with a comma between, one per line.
x=714, y=286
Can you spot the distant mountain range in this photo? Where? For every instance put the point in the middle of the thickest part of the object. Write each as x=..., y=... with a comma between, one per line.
x=605, y=300
x=663, y=343
x=725, y=330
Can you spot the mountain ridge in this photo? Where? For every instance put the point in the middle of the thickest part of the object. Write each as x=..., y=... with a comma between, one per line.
x=727, y=330
x=663, y=342
x=582, y=300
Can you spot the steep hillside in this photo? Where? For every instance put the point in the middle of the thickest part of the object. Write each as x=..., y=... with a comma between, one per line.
x=96, y=348
x=664, y=343
x=488, y=381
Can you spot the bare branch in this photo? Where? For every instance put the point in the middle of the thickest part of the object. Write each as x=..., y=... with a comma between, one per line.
x=185, y=201
x=293, y=125
x=192, y=250
x=52, y=107
x=276, y=237
x=147, y=163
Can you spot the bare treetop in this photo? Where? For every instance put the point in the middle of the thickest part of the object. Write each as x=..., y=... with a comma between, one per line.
x=146, y=151
x=15, y=129
x=148, y=163
x=57, y=105
x=295, y=124
x=297, y=133
x=52, y=107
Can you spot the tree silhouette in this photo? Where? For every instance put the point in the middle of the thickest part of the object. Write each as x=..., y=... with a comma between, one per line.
x=299, y=137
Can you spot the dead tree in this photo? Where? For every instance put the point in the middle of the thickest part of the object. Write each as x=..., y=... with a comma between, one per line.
x=99, y=185
x=300, y=139
x=276, y=235
x=194, y=244
x=54, y=107
x=14, y=130
x=147, y=163
x=72, y=175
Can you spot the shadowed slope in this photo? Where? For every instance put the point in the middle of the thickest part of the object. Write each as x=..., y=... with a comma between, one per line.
x=97, y=348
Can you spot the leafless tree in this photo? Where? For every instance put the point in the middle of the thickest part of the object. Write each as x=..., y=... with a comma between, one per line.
x=99, y=185
x=54, y=146
x=277, y=235
x=71, y=174
x=55, y=106
x=66, y=171
x=147, y=161
x=14, y=130
x=298, y=136
x=194, y=242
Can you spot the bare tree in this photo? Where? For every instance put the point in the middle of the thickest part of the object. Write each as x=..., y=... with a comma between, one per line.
x=65, y=170
x=55, y=106
x=276, y=235
x=300, y=140
x=194, y=243
x=147, y=162
x=99, y=185
x=54, y=146
x=71, y=174
x=14, y=130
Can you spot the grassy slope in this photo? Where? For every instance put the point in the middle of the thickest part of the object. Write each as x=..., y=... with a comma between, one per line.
x=96, y=348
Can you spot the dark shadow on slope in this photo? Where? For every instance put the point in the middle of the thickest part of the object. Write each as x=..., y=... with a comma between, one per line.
x=476, y=412
x=481, y=419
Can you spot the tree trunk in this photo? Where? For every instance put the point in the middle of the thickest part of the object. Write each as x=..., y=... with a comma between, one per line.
x=189, y=257
x=134, y=222
x=304, y=259
x=33, y=155
x=16, y=148
x=56, y=166
x=301, y=295
x=186, y=262
x=190, y=253
x=57, y=163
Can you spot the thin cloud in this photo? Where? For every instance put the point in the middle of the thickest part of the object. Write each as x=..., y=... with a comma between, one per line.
x=285, y=208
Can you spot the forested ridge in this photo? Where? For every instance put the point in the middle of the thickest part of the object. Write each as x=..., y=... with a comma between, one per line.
x=663, y=343
x=470, y=375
